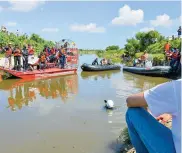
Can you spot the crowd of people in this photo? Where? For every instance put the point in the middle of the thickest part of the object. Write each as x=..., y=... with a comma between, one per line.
x=54, y=55
x=103, y=61
x=173, y=56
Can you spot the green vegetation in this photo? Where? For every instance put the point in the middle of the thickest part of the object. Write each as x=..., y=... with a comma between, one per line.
x=152, y=42
x=35, y=40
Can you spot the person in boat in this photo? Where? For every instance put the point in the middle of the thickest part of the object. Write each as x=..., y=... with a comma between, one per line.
x=62, y=59
x=144, y=111
x=30, y=53
x=52, y=57
x=179, y=32
x=42, y=61
x=109, y=62
x=8, y=54
x=17, y=58
x=178, y=61
x=103, y=61
x=135, y=62
x=95, y=62
x=144, y=57
x=175, y=59
x=25, y=57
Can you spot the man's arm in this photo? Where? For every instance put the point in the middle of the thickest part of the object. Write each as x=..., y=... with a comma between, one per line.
x=136, y=100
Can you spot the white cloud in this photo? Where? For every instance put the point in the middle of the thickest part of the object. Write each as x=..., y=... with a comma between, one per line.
x=146, y=29
x=11, y=24
x=127, y=16
x=50, y=30
x=24, y=6
x=162, y=20
x=91, y=27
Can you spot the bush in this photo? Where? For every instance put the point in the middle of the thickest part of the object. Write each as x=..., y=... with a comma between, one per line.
x=156, y=48
x=138, y=55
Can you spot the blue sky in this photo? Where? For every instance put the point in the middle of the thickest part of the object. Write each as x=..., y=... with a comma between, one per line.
x=91, y=24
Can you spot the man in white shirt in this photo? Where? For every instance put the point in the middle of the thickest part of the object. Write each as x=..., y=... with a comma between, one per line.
x=146, y=133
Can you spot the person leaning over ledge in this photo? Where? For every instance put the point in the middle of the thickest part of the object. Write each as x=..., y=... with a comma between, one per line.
x=146, y=133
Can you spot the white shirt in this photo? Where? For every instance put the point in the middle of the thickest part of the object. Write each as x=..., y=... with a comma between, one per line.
x=166, y=98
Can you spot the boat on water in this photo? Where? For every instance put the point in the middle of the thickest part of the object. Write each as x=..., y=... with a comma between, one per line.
x=89, y=67
x=156, y=71
x=51, y=70
x=38, y=74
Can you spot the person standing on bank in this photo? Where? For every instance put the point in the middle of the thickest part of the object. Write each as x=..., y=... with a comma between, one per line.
x=179, y=32
x=25, y=57
x=17, y=58
x=146, y=133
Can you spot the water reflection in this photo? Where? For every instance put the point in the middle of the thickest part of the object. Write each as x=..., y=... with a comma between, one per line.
x=143, y=82
x=97, y=75
x=22, y=93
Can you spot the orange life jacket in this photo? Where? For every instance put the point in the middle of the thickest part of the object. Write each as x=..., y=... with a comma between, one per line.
x=17, y=52
x=42, y=58
x=30, y=51
x=167, y=47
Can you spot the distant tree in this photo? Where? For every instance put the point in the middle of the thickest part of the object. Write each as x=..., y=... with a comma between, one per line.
x=113, y=47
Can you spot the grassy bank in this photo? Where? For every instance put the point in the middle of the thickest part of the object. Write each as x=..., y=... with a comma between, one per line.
x=114, y=55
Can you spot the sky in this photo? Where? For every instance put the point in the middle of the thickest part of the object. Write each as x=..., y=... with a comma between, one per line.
x=90, y=24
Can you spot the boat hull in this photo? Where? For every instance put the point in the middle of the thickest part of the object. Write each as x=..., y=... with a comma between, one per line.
x=87, y=67
x=39, y=74
x=154, y=71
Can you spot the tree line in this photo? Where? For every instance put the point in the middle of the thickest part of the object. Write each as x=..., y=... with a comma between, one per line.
x=19, y=40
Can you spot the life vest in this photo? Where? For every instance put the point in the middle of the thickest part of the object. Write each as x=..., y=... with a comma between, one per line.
x=167, y=47
x=17, y=52
x=42, y=58
x=30, y=51
x=63, y=51
x=174, y=55
x=8, y=52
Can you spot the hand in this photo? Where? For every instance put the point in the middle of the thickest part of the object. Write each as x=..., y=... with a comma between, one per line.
x=164, y=118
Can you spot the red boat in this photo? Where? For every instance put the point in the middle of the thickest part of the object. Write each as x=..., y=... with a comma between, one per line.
x=52, y=70
x=38, y=74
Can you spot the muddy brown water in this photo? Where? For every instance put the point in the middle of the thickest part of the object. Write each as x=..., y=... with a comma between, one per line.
x=65, y=114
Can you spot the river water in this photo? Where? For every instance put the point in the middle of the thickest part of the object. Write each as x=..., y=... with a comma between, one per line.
x=66, y=114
